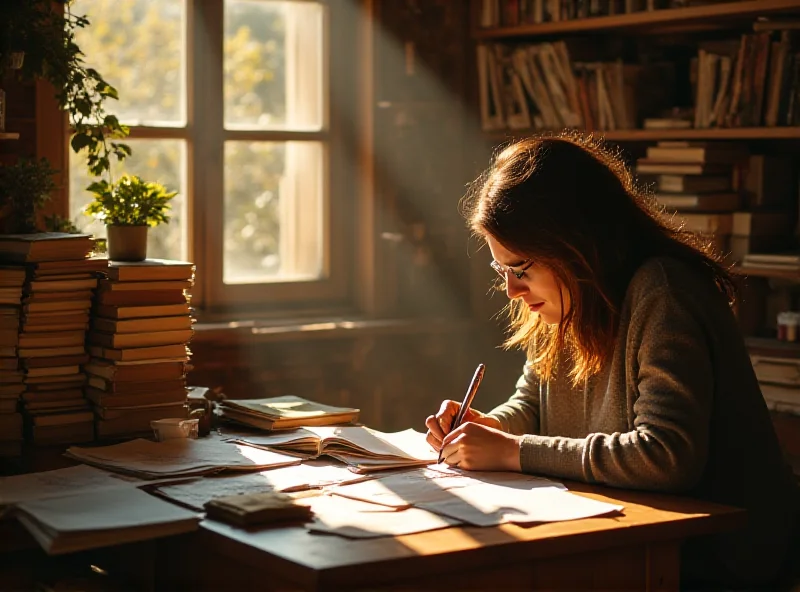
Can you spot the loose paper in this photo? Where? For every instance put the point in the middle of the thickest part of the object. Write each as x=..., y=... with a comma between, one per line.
x=309, y=475
x=355, y=519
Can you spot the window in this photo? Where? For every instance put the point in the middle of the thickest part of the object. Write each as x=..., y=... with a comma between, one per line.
x=227, y=102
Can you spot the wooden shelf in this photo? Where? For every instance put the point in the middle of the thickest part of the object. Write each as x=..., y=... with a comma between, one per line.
x=9, y=136
x=645, y=135
x=643, y=21
x=784, y=274
x=775, y=347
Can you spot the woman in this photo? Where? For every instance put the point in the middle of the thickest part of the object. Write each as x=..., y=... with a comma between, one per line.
x=637, y=374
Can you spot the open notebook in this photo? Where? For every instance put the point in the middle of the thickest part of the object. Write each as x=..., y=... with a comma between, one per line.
x=363, y=449
x=285, y=412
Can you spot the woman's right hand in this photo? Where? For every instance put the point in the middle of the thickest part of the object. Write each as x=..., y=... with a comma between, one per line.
x=439, y=425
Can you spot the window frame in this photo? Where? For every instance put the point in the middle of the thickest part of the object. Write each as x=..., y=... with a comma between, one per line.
x=204, y=175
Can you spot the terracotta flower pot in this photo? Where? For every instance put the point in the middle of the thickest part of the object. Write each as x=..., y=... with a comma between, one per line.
x=127, y=243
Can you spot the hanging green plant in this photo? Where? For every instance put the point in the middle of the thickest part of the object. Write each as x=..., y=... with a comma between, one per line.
x=44, y=31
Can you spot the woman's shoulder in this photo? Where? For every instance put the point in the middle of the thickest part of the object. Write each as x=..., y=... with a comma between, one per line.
x=670, y=275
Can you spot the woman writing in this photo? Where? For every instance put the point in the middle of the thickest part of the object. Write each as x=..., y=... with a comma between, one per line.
x=637, y=375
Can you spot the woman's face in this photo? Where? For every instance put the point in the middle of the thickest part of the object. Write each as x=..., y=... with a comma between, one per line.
x=538, y=286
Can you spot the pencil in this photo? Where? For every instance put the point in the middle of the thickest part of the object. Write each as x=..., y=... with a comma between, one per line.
x=465, y=404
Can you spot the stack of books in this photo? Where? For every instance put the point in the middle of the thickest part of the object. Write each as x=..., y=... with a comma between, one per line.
x=11, y=386
x=779, y=380
x=53, y=318
x=696, y=180
x=138, y=341
x=789, y=261
x=716, y=188
x=280, y=413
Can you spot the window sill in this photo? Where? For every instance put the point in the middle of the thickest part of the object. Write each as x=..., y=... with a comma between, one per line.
x=326, y=328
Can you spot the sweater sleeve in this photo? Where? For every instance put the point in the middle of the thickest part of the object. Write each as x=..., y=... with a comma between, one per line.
x=520, y=414
x=667, y=448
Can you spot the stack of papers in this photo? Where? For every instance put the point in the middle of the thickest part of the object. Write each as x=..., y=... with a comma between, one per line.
x=101, y=518
x=482, y=501
x=361, y=448
x=179, y=457
x=361, y=520
x=60, y=482
x=286, y=412
x=309, y=475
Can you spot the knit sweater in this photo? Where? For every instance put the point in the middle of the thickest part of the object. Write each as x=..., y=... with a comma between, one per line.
x=677, y=409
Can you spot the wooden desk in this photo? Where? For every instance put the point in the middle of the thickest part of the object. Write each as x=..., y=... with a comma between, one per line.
x=636, y=550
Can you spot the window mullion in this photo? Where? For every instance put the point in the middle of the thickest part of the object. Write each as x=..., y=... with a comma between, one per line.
x=207, y=146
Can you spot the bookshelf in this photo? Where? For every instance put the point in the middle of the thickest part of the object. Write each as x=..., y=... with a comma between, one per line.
x=674, y=36
x=782, y=274
x=675, y=19
x=9, y=136
x=649, y=135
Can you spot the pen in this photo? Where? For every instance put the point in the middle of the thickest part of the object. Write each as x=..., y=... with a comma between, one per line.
x=465, y=404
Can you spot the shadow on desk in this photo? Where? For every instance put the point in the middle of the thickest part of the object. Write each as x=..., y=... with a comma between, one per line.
x=113, y=569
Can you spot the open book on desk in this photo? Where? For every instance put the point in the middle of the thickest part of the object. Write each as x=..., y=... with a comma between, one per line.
x=277, y=413
x=363, y=449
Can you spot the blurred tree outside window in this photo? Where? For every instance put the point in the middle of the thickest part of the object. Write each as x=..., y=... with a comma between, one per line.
x=274, y=155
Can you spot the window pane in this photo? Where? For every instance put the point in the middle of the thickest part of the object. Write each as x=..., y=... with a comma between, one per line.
x=273, y=64
x=138, y=47
x=273, y=212
x=163, y=161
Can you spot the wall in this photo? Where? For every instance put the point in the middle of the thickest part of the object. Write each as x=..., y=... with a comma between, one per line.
x=397, y=373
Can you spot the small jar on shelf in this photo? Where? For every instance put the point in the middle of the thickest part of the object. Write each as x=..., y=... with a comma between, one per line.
x=788, y=322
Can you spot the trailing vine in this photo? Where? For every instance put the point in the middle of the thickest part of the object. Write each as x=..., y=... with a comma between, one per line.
x=47, y=36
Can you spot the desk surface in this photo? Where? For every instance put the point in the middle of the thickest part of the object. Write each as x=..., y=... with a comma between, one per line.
x=315, y=560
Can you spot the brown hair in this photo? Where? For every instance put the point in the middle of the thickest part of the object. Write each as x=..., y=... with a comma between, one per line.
x=568, y=202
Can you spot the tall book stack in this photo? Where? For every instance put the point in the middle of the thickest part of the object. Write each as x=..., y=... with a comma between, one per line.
x=11, y=386
x=696, y=179
x=59, y=279
x=140, y=329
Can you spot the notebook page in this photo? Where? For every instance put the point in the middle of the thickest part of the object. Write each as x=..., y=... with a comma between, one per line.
x=408, y=444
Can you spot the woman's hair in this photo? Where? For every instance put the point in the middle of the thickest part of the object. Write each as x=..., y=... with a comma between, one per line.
x=570, y=204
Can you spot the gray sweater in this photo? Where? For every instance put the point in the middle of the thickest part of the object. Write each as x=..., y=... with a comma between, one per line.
x=678, y=409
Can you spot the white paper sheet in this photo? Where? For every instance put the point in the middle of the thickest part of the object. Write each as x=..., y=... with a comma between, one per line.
x=490, y=505
x=312, y=474
x=355, y=519
x=402, y=490
x=409, y=488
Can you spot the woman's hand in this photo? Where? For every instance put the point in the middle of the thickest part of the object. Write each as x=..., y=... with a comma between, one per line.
x=477, y=447
x=439, y=425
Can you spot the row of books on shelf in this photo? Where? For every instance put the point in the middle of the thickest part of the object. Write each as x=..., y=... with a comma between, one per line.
x=752, y=81
x=512, y=13
x=539, y=87
x=88, y=348
x=748, y=82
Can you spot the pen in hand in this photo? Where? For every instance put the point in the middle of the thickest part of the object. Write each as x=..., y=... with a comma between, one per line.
x=465, y=404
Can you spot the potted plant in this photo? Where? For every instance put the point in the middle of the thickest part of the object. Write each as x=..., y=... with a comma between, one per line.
x=24, y=188
x=128, y=207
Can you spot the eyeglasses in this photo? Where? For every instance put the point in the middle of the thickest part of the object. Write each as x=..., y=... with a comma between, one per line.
x=504, y=270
